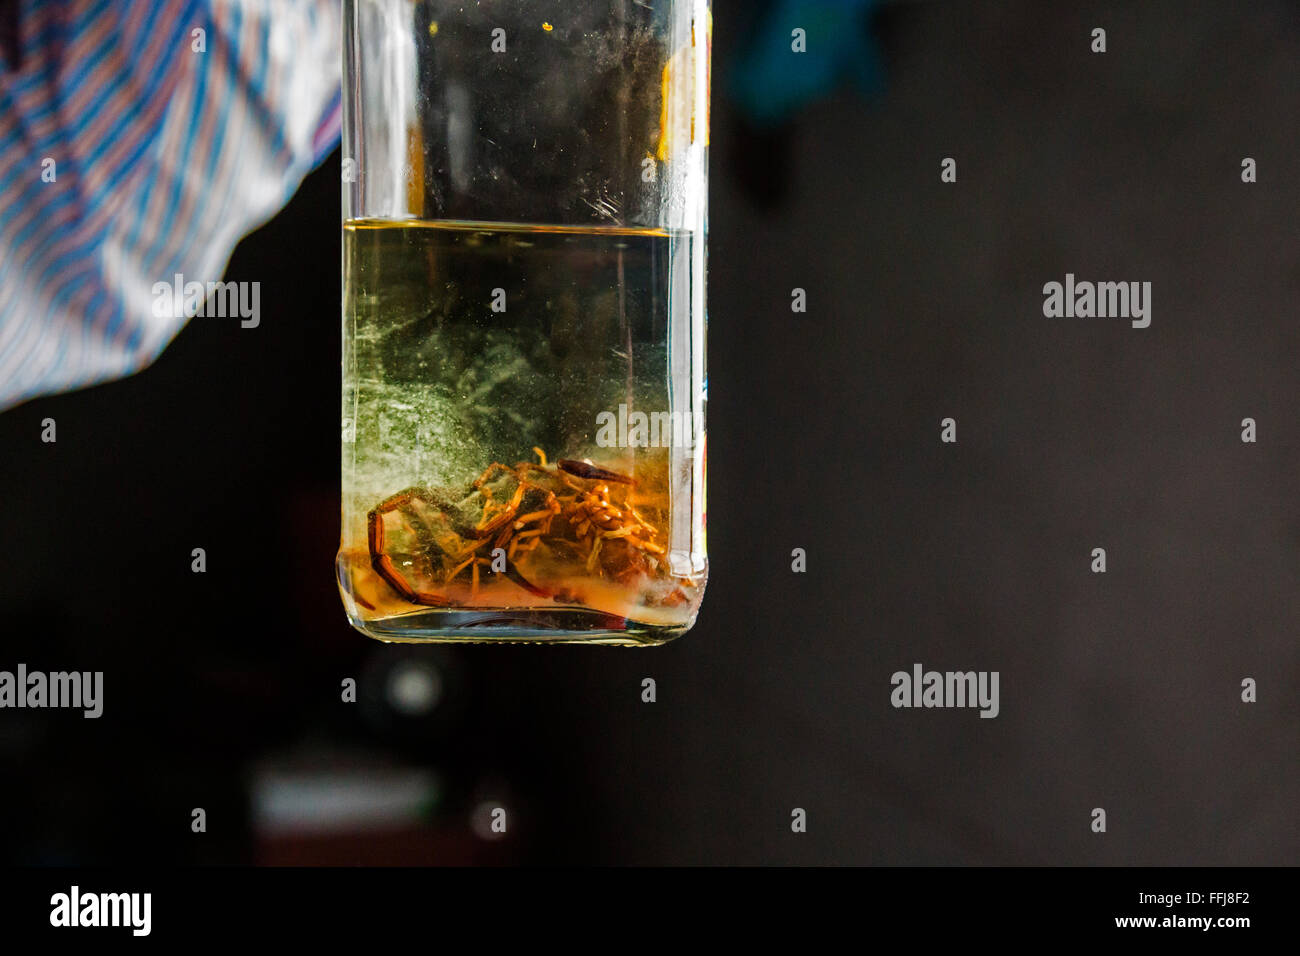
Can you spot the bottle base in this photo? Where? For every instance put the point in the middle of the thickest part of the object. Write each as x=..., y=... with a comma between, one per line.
x=517, y=626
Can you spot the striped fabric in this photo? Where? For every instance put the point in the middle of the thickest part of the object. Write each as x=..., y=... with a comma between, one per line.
x=128, y=157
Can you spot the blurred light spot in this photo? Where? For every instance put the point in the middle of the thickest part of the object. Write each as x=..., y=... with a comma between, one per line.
x=347, y=800
x=414, y=689
x=480, y=820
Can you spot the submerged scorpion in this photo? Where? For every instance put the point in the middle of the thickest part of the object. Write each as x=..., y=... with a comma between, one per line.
x=583, y=506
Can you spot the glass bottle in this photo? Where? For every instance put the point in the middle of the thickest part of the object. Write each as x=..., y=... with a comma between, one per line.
x=524, y=384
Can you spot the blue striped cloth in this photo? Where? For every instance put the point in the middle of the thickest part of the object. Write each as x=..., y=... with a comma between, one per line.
x=139, y=140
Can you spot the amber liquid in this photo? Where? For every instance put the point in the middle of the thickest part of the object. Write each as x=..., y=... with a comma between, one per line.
x=499, y=478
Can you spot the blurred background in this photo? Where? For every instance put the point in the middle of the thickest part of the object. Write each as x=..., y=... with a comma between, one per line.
x=223, y=690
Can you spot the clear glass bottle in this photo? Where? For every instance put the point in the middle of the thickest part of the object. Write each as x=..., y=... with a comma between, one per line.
x=524, y=384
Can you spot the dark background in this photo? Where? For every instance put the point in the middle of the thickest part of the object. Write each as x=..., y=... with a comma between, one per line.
x=1119, y=690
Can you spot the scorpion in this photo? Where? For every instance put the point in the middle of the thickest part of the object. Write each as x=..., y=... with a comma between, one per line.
x=583, y=502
